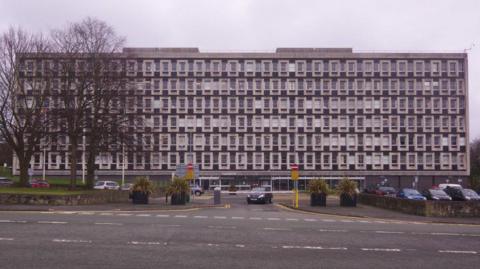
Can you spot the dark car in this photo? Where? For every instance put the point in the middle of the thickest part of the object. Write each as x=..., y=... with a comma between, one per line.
x=387, y=191
x=38, y=183
x=5, y=182
x=410, y=194
x=436, y=194
x=462, y=194
x=260, y=195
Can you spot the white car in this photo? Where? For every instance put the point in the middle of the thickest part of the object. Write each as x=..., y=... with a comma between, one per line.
x=106, y=185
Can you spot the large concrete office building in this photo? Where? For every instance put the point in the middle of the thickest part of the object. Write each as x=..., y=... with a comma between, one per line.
x=245, y=117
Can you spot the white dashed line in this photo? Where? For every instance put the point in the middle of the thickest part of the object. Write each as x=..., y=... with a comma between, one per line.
x=222, y=227
x=219, y=217
x=379, y=221
x=86, y=213
x=388, y=232
x=310, y=220
x=382, y=249
x=314, y=247
x=255, y=218
x=163, y=216
x=291, y=219
x=240, y=246
x=200, y=217
x=332, y=231
x=180, y=216
x=277, y=229
x=52, y=222
x=124, y=214
x=71, y=241
x=6, y=239
x=66, y=212
x=144, y=243
x=328, y=220
x=273, y=218
x=458, y=251
x=108, y=223
x=238, y=218
x=106, y=214
x=12, y=221
x=347, y=221
x=143, y=215
x=213, y=245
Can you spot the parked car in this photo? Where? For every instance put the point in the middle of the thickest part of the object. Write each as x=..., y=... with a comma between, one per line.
x=462, y=194
x=126, y=186
x=410, y=194
x=260, y=195
x=39, y=183
x=386, y=191
x=196, y=190
x=371, y=189
x=436, y=194
x=5, y=182
x=106, y=185
x=445, y=185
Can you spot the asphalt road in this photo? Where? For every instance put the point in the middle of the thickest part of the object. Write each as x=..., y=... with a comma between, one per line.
x=242, y=236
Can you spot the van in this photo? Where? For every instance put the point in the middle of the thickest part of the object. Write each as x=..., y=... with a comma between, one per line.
x=444, y=185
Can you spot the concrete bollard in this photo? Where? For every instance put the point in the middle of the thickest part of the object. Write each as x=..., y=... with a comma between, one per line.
x=216, y=196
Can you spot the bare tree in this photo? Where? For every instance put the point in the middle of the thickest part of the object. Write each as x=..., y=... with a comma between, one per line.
x=475, y=164
x=89, y=49
x=22, y=98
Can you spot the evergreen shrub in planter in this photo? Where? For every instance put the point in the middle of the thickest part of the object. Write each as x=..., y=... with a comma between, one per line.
x=348, y=192
x=318, y=192
x=178, y=191
x=141, y=190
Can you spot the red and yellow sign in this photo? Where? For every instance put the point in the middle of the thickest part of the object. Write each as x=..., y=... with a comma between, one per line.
x=294, y=173
x=190, y=174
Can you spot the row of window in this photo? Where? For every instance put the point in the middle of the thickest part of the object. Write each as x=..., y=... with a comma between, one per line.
x=318, y=67
x=297, y=142
x=275, y=161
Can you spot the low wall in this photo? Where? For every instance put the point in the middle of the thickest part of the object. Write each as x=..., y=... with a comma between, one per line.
x=96, y=197
x=423, y=208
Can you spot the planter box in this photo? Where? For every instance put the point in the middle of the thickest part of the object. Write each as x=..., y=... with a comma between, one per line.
x=347, y=200
x=139, y=197
x=318, y=199
x=178, y=199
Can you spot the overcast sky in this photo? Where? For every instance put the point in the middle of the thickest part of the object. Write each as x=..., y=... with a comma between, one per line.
x=257, y=25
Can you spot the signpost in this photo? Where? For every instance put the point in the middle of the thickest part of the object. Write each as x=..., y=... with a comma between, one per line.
x=295, y=176
x=190, y=174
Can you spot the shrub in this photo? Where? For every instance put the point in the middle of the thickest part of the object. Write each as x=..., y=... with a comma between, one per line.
x=347, y=186
x=319, y=186
x=178, y=185
x=143, y=184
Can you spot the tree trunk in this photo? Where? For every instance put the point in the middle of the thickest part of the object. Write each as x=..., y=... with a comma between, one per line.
x=90, y=169
x=24, y=177
x=73, y=162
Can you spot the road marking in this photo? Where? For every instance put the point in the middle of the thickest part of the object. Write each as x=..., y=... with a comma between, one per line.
x=333, y=231
x=219, y=217
x=458, y=251
x=388, y=232
x=213, y=245
x=315, y=247
x=311, y=220
x=143, y=215
x=200, y=217
x=71, y=241
x=363, y=221
x=163, y=216
x=380, y=221
x=273, y=218
x=328, y=220
x=12, y=221
x=222, y=227
x=240, y=246
x=108, y=223
x=255, y=218
x=170, y=225
x=106, y=214
x=291, y=219
x=450, y=234
x=6, y=239
x=346, y=220
x=52, y=222
x=238, y=218
x=124, y=214
x=86, y=213
x=277, y=229
x=180, y=216
x=66, y=212
x=144, y=243
x=382, y=249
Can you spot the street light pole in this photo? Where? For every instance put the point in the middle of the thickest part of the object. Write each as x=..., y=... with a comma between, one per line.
x=123, y=163
x=83, y=157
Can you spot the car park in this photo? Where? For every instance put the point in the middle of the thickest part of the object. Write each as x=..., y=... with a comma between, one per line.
x=38, y=183
x=196, y=190
x=410, y=194
x=127, y=187
x=437, y=195
x=5, y=182
x=470, y=194
x=385, y=191
x=462, y=194
x=106, y=185
x=260, y=195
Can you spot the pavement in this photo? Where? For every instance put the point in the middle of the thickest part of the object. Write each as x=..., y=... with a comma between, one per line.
x=364, y=211
x=239, y=236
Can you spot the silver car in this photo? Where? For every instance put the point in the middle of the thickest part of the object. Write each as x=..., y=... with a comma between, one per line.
x=106, y=185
